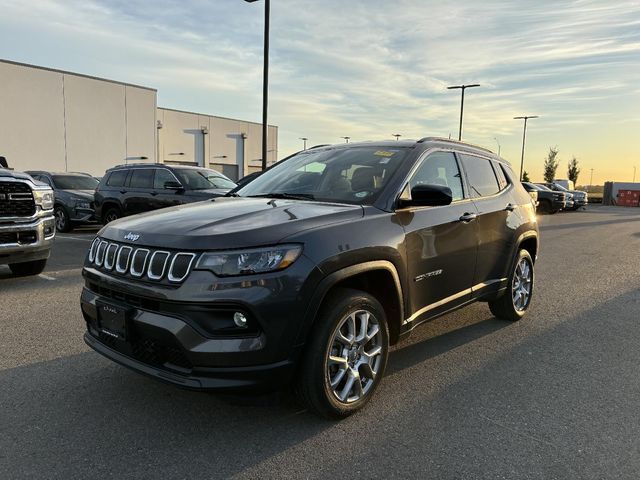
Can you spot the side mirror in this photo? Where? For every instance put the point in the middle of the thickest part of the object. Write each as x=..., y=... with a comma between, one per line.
x=173, y=186
x=428, y=196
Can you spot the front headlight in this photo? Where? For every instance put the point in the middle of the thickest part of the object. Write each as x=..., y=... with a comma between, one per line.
x=44, y=198
x=247, y=262
x=83, y=204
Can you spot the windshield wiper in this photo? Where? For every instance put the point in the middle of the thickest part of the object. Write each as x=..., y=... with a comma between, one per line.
x=288, y=196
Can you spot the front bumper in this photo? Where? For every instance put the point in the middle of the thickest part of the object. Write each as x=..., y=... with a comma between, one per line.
x=34, y=238
x=83, y=216
x=168, y=336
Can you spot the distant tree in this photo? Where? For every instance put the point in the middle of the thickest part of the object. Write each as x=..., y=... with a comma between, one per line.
x=551, y=165
x=525, y=177
x=573, y=171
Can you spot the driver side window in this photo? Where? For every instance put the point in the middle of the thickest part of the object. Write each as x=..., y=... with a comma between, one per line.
x=439, y=168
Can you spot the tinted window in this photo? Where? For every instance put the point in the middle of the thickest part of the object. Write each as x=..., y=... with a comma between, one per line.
x=502, y=179
x=75, y=182
x=202, y=179
x=163, y=176
x=482, y=179
x=117, y=178
x=439, y=168
x=141, y=178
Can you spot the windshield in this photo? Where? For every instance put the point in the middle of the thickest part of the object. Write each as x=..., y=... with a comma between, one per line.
x=543, y=187
x=74, y=182
x=561, y=188
x=344, y=175
x=203, y=179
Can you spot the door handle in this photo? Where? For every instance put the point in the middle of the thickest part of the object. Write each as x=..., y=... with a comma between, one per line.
x=510, y=207
x=123, y=191
x=154, y=193
x=468, y=217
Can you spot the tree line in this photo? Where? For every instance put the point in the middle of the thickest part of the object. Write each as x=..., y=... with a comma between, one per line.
x=551, y=164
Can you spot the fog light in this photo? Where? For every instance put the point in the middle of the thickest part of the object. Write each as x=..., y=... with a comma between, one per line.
x=240, y=320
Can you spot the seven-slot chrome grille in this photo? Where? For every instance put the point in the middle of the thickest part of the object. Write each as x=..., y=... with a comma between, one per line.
x=140, y=262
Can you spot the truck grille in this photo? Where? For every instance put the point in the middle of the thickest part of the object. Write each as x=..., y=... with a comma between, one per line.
x=141, y=263
x=16, y=200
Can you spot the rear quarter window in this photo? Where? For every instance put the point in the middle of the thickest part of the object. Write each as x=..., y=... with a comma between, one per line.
x=117, y=178
x=481, y=176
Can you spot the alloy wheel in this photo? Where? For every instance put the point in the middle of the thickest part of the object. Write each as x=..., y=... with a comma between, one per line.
x=521, y=285
x=355, y=356
x=61, y=221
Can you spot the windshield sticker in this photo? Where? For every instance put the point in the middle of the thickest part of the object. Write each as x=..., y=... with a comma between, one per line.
x=384, y=153
x=361, y=194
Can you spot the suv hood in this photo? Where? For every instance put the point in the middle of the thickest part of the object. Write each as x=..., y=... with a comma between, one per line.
x=228, y=223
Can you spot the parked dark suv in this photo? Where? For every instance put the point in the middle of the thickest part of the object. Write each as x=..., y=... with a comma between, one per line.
x=73, y=197
x=311, y=271
x=131, y=189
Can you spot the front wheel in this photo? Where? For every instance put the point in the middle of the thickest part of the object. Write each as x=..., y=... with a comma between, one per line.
x=63, y=224
x=112, y=214
x=515, y=301
x=346, y=355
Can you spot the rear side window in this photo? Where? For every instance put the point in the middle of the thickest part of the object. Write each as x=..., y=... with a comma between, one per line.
x=117, y=178
x=482, y=179
x=141, y=178
x=163, y=176
x=502, y=179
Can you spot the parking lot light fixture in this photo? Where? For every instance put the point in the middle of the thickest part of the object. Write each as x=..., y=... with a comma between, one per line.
x=265, y=79
x=463, y=88
x=304, y=144
x=346, y=139
x=524, y=136
x=397, y=135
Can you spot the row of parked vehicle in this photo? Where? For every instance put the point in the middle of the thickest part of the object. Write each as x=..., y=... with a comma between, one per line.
x=556, y=196
x=81, y=199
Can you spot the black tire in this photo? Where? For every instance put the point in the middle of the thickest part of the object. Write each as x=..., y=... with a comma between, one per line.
x=28, y=268
x=504, y=307
x=313, y=383
x=63, y=224
x=111, y=214
x=545, y=206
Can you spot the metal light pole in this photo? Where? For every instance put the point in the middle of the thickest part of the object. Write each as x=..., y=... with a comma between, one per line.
x=634, y=174
x=397, y=135
x=304, y=140
x=265, y=80
x=524, y=135
x=346, y=139
x=463, y=88
x=591, y=180
x=498, y=145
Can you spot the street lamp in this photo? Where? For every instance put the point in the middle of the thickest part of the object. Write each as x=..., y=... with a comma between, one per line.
x=304, y=139
x=397, y=135
x=498, y=145
x=591, y=181
x=463, y=88
x=265, y=80
x=346, y=139
x=524, y=134
x=634, y=174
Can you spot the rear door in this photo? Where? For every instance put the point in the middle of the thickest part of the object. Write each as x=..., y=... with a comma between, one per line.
x=441, y=242
x=490, y=189
x=138, y=198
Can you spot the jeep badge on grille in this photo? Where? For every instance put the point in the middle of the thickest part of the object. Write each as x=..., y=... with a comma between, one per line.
x=131, y=236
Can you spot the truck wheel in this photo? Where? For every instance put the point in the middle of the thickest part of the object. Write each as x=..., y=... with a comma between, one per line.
x=346, y=355
x=517, y=298
x=112, y=213
x=545, y=206
x=28, y=268
x=63, y=224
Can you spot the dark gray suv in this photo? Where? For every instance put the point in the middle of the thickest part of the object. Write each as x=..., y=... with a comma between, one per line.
x=306, y=275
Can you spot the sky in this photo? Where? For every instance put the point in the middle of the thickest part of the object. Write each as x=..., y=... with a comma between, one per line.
x=369, y=69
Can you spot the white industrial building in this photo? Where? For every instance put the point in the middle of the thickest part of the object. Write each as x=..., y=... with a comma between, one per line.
x=62, y=121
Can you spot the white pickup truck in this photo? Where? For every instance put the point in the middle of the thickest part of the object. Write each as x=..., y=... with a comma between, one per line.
x=27, y=224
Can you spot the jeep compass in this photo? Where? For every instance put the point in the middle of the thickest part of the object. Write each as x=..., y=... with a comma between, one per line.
x=305, y=276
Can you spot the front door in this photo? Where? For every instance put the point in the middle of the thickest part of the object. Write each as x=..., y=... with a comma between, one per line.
x=441, y=242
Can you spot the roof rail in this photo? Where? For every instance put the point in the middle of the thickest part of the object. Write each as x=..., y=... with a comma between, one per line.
x=148, y=164
x=449, y=140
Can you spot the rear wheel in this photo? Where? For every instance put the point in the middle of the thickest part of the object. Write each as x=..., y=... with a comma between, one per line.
x=111, y=214
x=346, y=355
x=28, y=268
x=517, y=298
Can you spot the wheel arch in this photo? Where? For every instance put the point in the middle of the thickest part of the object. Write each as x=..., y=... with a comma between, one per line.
x=378, y=278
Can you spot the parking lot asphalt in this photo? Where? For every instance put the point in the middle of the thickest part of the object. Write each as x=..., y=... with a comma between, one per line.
x=555, y=395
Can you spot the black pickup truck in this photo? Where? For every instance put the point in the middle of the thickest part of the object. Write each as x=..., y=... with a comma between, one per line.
x=548, y=200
